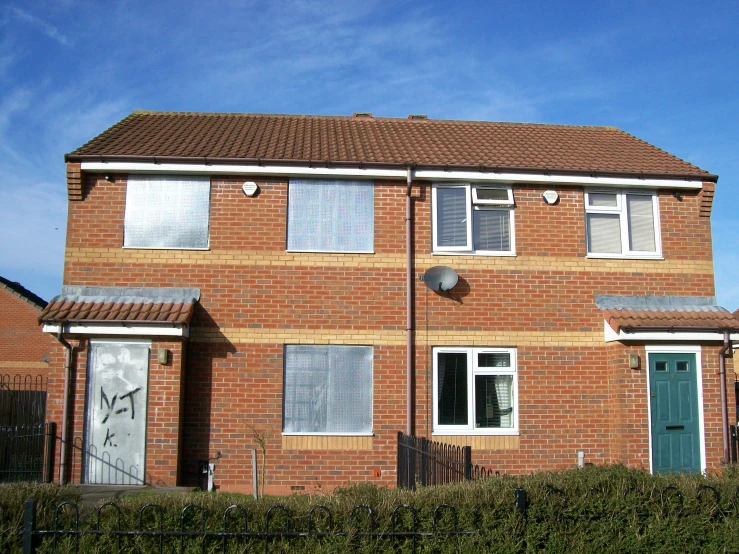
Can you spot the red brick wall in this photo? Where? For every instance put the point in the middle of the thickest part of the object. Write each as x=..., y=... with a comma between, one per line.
x=164, y=425
x=575, y=391
x=22, y=343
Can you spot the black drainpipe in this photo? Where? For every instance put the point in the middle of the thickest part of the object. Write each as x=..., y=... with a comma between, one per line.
x=65, y=407
x=724, y=404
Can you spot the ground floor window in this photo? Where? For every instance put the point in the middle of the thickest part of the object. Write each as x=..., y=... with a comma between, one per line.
x=327, y=390
x=475, y=390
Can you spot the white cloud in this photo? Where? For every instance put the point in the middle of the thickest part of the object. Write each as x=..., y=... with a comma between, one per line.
x=46, y=28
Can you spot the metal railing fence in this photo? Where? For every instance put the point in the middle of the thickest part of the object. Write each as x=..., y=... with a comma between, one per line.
x=425, y=462
x=406, y=530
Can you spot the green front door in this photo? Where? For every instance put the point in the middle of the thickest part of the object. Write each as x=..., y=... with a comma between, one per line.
x=673, y=385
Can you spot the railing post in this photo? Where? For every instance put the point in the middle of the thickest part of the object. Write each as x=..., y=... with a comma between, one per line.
x=424, y=461
x=468, y=463
x=399, y=470
x=50, y=428
x=29, y=526
x=522, y=501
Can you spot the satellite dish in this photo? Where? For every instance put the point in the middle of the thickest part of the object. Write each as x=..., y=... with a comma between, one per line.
x=440, y=278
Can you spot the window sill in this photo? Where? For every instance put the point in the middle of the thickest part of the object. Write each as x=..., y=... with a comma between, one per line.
x=162, y=248
x=476, y=433
x=327, y=442
x=368, y=252
x=480, y=442
x=468, y=253
x=625, y=257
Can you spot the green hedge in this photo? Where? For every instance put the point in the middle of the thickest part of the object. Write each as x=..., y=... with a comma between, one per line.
x=596, y=509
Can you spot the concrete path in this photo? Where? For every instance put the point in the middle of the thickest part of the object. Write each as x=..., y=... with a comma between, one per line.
x=92, y=494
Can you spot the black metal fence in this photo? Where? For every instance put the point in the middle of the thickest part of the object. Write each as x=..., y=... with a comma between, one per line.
x=26, y=441
x=27, y=453
x=22, y=400
x=425, y=462
x=406, y=529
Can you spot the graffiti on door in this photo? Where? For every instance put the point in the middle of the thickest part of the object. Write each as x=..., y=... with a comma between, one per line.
x=116, y=419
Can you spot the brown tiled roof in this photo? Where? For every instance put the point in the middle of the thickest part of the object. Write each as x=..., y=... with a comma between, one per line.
x=117, y=311
x=716, y=319
x=299, y=139
x=103, y=304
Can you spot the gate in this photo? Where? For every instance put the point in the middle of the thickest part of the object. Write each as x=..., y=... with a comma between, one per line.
x=26, y=440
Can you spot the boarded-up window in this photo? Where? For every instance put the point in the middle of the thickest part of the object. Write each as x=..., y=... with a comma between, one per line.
x=167, y=212
x=328, y=389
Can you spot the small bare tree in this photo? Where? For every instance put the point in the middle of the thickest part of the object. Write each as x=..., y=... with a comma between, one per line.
x=261, y=438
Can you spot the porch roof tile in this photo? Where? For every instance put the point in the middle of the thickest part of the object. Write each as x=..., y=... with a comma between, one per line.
x=171, y=306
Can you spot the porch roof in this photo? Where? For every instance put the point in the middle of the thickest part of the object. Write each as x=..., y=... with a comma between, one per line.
x=80, y=304
x=666, y=313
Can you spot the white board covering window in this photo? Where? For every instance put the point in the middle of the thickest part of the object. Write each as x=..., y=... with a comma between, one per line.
x=622, y=224
x=167, y=211
x=475, y=391
x=328, y=390
x=331, y=216
x=474, y=219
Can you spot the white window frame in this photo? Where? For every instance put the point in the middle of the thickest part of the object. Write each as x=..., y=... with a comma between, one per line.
x=331, y=433
x=621, y=210
x=472, y=371
x=473, y=203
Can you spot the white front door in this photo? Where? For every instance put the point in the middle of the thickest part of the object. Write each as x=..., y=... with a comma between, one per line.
x=117, y=392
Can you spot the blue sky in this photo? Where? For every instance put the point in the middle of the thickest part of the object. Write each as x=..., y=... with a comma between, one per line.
x=667, y=72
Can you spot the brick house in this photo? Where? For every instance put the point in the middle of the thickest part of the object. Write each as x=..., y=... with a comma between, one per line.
x=23, y=349
x=234, y=275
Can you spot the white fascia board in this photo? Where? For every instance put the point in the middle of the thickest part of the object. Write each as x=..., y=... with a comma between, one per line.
x=221, y=169
x=119, y=330
x=513, y=178
x=664, y=336
x=373, y=173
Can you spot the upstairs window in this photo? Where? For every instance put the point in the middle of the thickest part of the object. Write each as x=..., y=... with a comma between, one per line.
x=474, y=219
x=331, y=216
x=622, y=224
x=328, y=390
x=167, y=212
x=475, y=391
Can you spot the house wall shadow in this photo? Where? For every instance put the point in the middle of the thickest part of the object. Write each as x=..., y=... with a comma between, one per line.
x=198, y=395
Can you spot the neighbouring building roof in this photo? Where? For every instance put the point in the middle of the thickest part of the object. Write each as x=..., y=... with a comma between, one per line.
x=366, y=141
x=666, y=313
x=23, y=293
x=117, y=304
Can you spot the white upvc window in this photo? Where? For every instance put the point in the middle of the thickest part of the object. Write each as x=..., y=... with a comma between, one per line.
x=327, y=390
x=475, y=391
x=473, y=219
x=330, y=216
x=622, y=224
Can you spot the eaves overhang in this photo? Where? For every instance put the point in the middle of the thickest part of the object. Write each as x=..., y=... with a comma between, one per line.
x=373, y=170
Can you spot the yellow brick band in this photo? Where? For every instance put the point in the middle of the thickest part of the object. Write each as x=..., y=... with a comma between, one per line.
x=326, y=443
x=24, y=365
x=395, y=338
x=480, y=442
x=422, y=262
